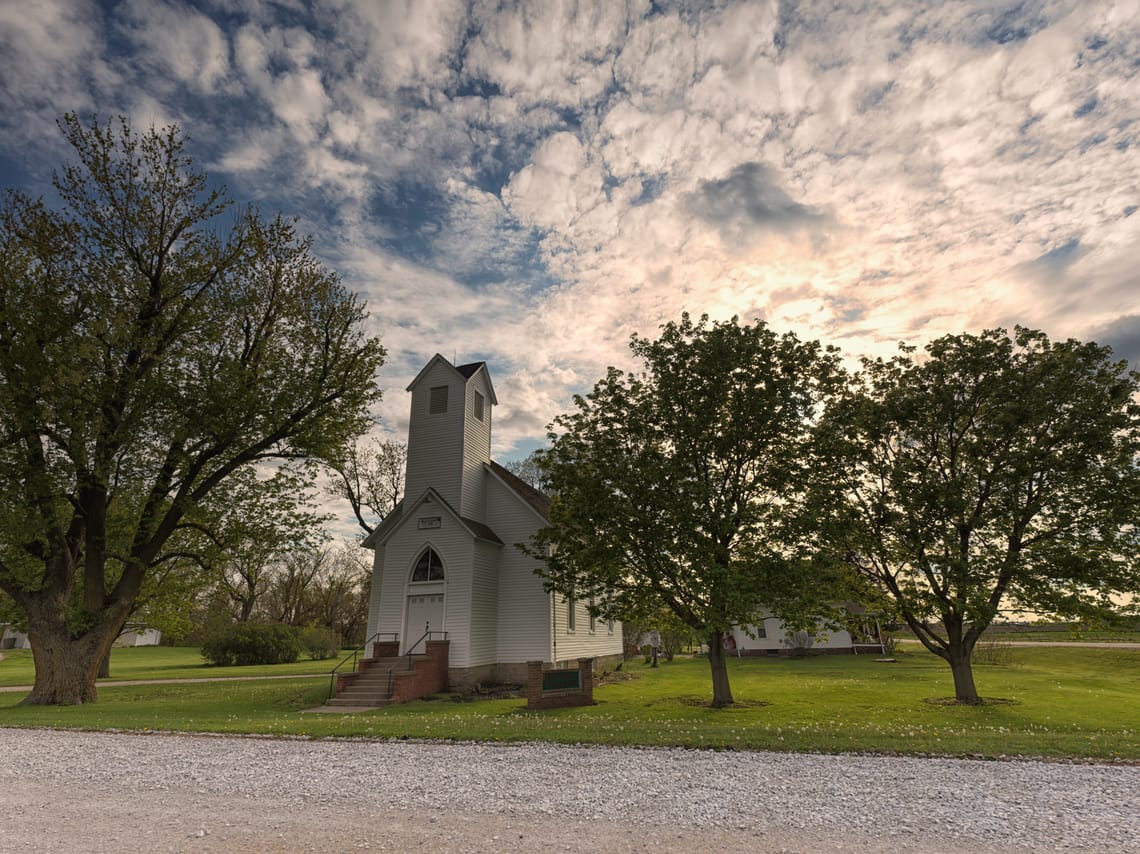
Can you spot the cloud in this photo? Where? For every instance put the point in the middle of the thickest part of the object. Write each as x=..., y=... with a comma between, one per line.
x=1123, y=336
x=53, y=63
x=531, y=184
x=749, y=200
x=186, y=44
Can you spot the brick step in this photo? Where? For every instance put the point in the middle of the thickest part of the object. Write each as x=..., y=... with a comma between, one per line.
x=369, y=686
x=365, y=691
x=375, y=677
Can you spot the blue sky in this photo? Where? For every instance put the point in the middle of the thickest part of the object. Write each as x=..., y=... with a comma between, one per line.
x=530, y=184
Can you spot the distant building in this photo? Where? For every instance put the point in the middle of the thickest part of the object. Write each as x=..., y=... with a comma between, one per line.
x=12, y=639
x=769, y=636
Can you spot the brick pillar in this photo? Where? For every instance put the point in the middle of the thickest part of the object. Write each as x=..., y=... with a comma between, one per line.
x=586, y=677
x=534, y=684
x=439, y=653
x=385, y=649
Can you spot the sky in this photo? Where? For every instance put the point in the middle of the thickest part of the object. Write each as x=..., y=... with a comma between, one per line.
x=531, y=184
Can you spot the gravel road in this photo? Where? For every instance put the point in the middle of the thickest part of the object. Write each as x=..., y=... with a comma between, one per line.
x=107, y=792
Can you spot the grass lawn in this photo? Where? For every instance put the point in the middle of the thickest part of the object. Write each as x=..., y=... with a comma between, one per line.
x=1062, y=702
x=158, y=662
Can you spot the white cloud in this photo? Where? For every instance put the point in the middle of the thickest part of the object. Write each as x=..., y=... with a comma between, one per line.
x=52, y=64
x=862, y=173
x=187, y=44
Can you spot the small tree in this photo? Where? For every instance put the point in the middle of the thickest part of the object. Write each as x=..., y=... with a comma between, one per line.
x=529, y=470
x=258, y=519
x=683, y=485
x=995, y=471
x=369, y=474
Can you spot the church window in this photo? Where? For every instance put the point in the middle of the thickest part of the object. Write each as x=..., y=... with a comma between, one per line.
x=478, y=406
x=438, y=403
x=571, y=607
x=428, y=568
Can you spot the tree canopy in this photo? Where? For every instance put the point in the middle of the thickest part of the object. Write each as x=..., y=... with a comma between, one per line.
x=992, y=472
x=682, y=485
x=155, y=340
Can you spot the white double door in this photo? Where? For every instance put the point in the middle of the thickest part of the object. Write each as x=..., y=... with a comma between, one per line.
x=423, y=613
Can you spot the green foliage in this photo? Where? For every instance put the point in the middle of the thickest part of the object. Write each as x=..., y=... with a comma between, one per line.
x=254, y=643
x=155, y=343
x=995, y=472
x=320, y=643
x=682, y=486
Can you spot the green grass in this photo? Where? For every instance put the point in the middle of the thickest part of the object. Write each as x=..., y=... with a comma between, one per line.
x=159, y=662
x=1048, y=635
x=1063, y=703
x=1062, y=636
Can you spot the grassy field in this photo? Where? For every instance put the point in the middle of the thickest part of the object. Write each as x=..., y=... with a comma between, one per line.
x=1048, y=635
x=1063, y=703
x=157, y=662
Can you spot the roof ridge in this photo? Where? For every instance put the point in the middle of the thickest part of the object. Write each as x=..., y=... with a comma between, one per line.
x=536, y=498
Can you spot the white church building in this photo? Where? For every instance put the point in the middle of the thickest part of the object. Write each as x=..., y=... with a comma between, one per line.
x=447, y=563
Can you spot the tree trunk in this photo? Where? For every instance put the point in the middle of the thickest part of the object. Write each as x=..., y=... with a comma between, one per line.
x=66, y=667
x=962, y=668
x=105, y=666
x=722, y=692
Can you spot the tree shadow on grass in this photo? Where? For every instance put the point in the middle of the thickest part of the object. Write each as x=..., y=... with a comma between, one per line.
x=706, y=702
x=982, y=701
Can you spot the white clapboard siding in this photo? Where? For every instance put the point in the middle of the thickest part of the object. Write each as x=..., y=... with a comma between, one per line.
x=435, y=442
x=775, y=636
x=375, y=593
x=476, y=448
x=484, y=599
x=581, y=642
x=455, y=548
x=523, y=606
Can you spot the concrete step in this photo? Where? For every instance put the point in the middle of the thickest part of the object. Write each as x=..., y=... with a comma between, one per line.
x=365, y=700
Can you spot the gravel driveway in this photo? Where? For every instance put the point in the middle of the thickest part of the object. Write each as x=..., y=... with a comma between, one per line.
x=74, y=791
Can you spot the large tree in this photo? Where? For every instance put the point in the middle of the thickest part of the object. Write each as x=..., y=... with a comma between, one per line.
x=993, y=472
x=682, y=484
x=154, y=341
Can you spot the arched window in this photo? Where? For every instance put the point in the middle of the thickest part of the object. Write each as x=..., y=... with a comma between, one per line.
x=428, y=568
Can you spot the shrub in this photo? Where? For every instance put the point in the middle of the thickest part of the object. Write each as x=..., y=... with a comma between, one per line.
x=799, y=643
x=320, y=642
x=991, y=650
x=253, y=643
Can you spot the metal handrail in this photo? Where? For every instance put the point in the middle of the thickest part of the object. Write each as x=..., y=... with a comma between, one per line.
x=426, y=635
x=353, y=655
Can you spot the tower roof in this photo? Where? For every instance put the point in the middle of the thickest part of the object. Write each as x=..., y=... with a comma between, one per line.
x=465, y=371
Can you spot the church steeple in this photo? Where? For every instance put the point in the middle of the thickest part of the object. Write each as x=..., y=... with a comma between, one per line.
x=449, y=434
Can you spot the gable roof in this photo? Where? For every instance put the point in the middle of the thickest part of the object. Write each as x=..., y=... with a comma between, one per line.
x=384, y=531
x=466, y=372
x=537, y=500
x=380, y=532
